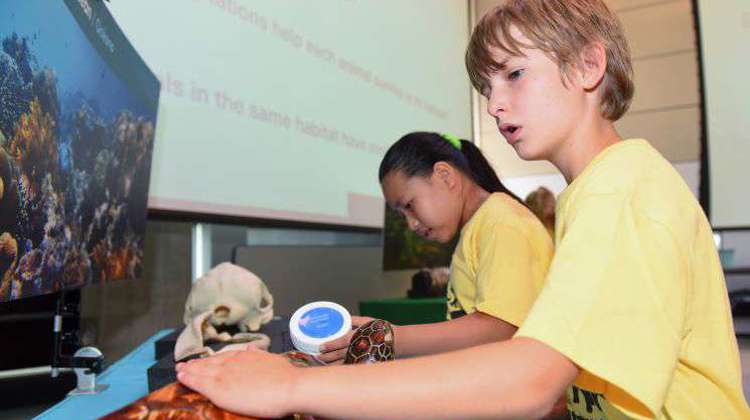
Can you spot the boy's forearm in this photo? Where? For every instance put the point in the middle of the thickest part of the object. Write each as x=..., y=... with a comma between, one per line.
x=499, y=380
x=471, y=330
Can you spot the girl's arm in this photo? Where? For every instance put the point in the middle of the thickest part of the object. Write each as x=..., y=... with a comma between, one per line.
x=517, y=378
x=469, y=330
x=422, y=339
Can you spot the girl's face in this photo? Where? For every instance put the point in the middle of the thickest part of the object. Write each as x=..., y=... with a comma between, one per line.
x=429, y=204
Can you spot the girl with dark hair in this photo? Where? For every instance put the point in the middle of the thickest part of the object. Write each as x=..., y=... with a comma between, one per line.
x=444, y=186
x=416, y=154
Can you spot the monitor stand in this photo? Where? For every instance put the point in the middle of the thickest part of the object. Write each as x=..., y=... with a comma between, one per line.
x=86, y=362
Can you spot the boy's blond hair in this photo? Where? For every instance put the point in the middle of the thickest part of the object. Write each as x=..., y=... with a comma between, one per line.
x=561, y=29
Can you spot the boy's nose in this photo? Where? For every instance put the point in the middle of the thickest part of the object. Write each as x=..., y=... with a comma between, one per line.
x=496, y=104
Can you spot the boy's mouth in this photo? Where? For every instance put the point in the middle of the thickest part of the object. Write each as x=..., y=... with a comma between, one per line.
x=511, y=132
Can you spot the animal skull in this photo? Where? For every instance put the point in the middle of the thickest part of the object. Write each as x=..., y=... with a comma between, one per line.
x=228, y=295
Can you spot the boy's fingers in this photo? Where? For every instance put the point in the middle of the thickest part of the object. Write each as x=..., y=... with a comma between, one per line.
x=224, y=355
x=334, y=351
x=255, y=349
x=202, y=369
x=234, y=347
x=206, y=364
x=196, y=382
x=191, y=362
x=337, y=344
x=333, y=356
x=358, y=321
x=210, y=360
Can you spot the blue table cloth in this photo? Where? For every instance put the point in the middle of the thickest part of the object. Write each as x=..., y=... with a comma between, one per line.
x=127, y=380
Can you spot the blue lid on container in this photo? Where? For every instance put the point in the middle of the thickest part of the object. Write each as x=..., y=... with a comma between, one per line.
x=321, y=322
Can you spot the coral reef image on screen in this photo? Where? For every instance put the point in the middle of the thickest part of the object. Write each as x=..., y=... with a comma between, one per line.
x=75, y=157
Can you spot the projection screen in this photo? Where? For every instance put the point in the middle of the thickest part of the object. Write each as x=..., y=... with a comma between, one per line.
x=283, y=109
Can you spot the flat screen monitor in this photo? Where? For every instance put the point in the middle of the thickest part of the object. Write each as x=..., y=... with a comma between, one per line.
x=77, y=119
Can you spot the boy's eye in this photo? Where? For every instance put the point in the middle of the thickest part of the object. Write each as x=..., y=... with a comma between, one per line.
x=515, y=74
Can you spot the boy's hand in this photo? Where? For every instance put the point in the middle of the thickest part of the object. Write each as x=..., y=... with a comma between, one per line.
x=251, y=382
x=334, y=351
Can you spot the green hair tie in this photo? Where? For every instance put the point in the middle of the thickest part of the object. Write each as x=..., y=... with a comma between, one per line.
x=455, y=141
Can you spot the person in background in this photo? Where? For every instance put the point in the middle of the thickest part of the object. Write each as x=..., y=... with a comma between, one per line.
x=541, y=201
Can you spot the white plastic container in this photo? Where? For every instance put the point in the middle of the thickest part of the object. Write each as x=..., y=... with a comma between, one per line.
x=316, y=323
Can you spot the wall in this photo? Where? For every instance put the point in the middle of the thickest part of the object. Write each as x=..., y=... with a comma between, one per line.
x=739, y=241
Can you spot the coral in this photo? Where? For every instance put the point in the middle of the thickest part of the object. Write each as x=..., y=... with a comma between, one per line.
x=72, y=186
x=76, y=193
x=45, y=92
x=110, y=263
x=76, y=268
x=132, y=142
x=8, y=261
x=115, y=251
x=18, y=48
x=104, y=160
x=15, y=94
x=88, y=136
x=34, y=146
x=30, y=266
x=8, y=192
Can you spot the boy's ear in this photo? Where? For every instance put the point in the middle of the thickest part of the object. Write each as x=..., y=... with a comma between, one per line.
x=444, y=173
x=593, y=65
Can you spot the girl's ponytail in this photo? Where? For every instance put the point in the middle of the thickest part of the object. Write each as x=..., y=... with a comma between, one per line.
x=482, y=172
x=416, y=153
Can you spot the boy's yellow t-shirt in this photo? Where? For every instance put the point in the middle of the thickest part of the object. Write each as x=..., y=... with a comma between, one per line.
x=636, y=296
x=500, y=261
